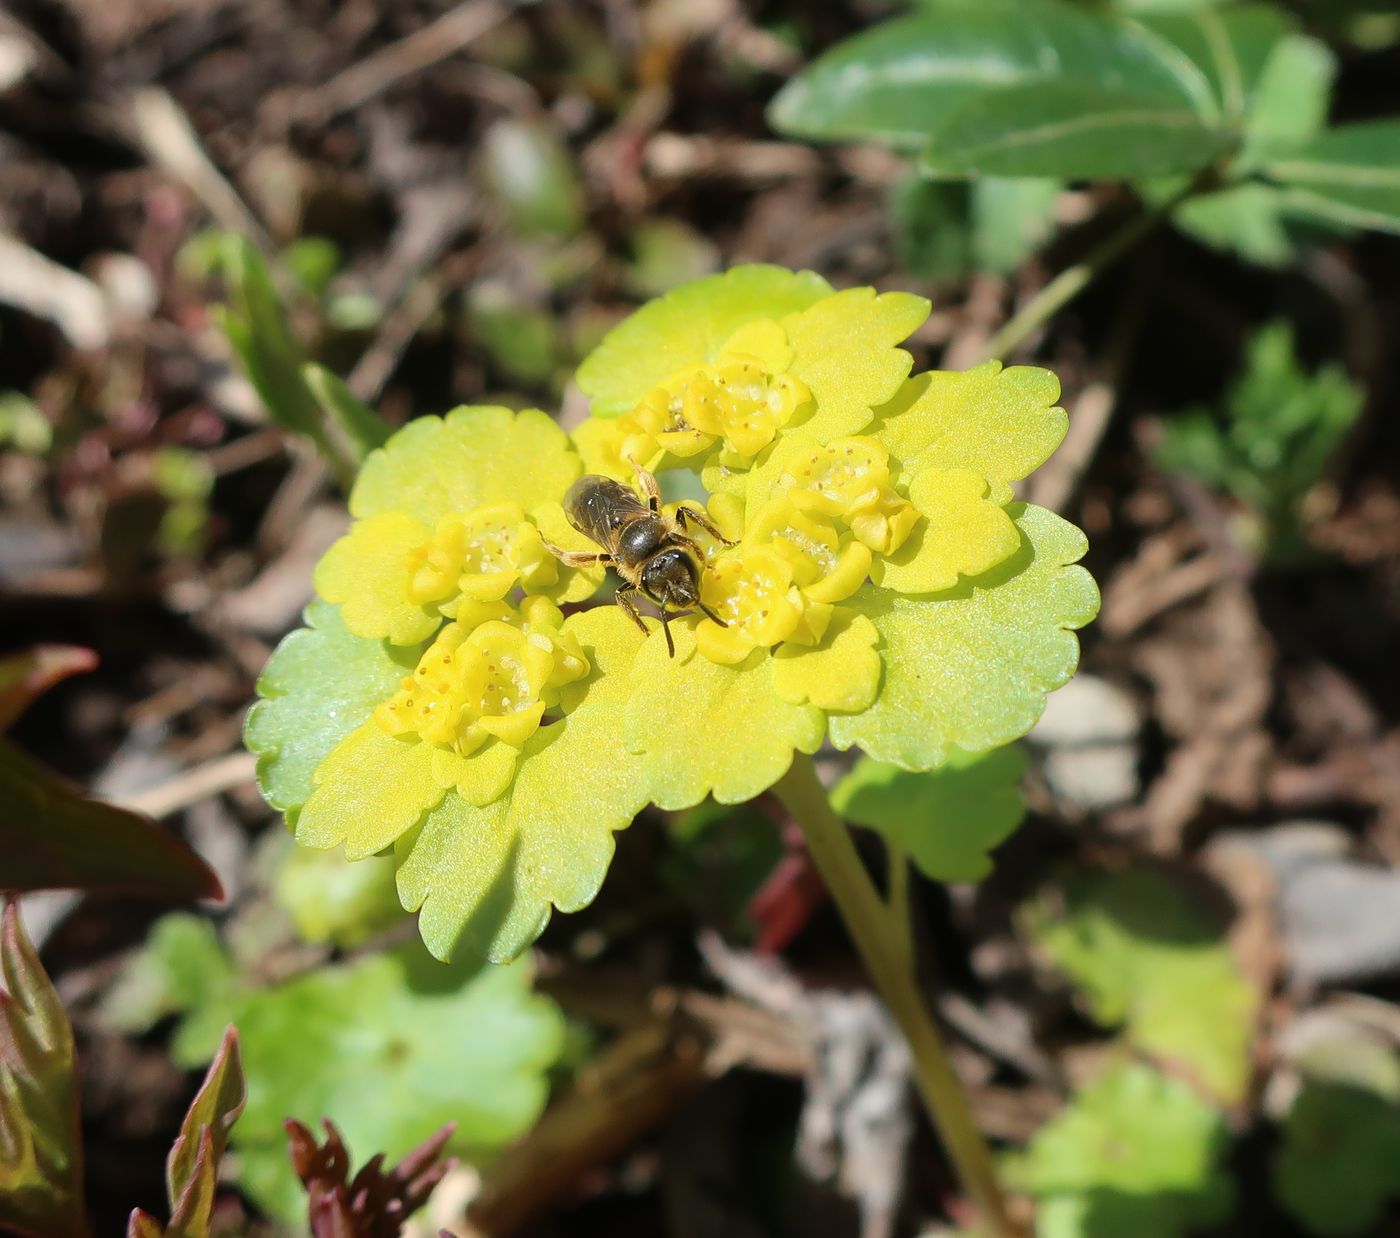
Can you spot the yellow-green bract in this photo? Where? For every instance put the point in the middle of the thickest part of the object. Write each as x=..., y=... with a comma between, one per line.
x=883, y=591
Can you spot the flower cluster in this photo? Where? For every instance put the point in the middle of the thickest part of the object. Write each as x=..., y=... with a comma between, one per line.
x=453, y=698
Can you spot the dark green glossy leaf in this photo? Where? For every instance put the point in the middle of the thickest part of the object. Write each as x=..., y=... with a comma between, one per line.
x=41, y=1151
x=1074, y=130
x=53, y=837
x=1230, y=46
x=901, y=82
x=1348, y=175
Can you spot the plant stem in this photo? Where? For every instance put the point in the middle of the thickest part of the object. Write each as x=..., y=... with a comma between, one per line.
x=1070, y=282
x=881, y=947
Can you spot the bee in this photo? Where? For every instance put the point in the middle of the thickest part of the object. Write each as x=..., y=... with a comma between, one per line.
x=653, y=553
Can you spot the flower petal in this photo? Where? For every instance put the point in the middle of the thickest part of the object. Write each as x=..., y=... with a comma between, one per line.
x=844, y=349
x=708, y=729
x=998, y=423
x=484, y=879
x=371, y=789
x=474, y=456
x=688, y=326
x=319, y=685
x=963, y=533
x=970, y=667
x=368, y=573
x=842, y=674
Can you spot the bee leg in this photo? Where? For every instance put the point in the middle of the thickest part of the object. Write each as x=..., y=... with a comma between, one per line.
x=647, y=481
x=623, y=597
x=578, y=558
x=666, y=627
x=685, y=512
x=709, y=614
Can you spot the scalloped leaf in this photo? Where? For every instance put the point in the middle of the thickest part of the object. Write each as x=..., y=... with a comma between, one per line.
x=969, y=668
x=688, y=327
x=947, y=820
x=390, y=1047
x=1000, y=423
x=474, y=456
x=708, y=729
x=1135, y=1152
x=845, y=348
x=41, y=1149
x=1148, y=957
x=484, y=880
x=320, y=684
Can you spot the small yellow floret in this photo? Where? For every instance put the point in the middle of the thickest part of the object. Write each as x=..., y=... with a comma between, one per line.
x=494, y=679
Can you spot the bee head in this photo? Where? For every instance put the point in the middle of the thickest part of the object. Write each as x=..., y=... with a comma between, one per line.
x=671, y=577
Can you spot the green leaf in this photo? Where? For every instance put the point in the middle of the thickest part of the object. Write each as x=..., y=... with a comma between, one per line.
x=947, y=820
x=390, y=1047
x=181, y=966
x=1011, y=219
x=362, y=427
x=1335, y=1169
x=26, y=676
x=320, y=684
x=1348, y=175
x=258, y=329
x=688, y=327
x=1248, y=219
x=903, y=81
x=1148, y=957
x=1271, y=443
x=1291, y=97
x=53, y=838
x=1229, y=45
x=485, y=880
x=41, y=1151
x=1073, y=130
x=530, y=171
x=1135, y=1153
x=332, y=900
x=969, y=668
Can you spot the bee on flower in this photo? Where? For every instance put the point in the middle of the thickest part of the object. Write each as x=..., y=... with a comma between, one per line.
x=856, y=571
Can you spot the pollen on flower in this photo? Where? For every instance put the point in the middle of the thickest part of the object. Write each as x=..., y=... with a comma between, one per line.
x=480, y=556
x=494, y=679
x=850, y=478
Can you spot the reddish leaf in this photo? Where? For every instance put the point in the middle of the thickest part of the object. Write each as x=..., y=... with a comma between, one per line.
x=192, y=1170
x=375, y=1203
x=27, y=675
x=54, y=837
x=41, y=1161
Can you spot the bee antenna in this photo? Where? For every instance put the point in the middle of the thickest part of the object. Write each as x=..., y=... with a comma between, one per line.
x=711, y=614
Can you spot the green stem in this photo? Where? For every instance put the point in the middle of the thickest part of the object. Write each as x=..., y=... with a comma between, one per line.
x=1070, y=282
x=886, y=957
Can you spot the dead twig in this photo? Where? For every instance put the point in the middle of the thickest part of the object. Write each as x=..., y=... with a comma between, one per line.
x=422, y=49
x=212, y=778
